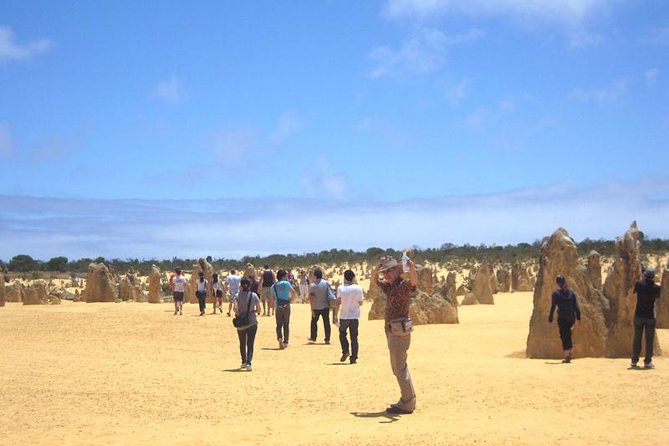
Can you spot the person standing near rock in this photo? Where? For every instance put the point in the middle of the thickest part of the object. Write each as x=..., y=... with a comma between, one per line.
x=217, y=290
x=644, y=317
x=247, y=302
x=303, y=284
x=267, y=279
x=350, y=296
x=178, y=289
x=283, y=292
x=320, y=305
x=233, y=282
x=398, y=325
x=568, y=313
x=201, y=292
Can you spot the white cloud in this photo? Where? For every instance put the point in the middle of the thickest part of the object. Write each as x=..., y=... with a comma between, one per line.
x=289, y=123
x=324, y=181
x=569, y=12
x=146, y=229
x=234, y=147
x=651, y=75
x=11, y=50
x=169, y=90
x=602, y=96
x=6, y=143
x=658, y=36
x=423, y=52
x=456, y=94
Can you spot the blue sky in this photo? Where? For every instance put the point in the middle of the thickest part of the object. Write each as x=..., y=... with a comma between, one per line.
x=160, y=129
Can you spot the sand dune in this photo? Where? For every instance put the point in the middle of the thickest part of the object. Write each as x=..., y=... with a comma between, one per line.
x=132, y=373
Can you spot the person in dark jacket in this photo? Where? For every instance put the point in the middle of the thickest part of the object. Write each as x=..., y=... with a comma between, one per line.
x=568, y=313
x=644, y=317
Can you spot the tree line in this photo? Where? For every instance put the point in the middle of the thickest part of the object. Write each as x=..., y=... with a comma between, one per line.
x=447, y=252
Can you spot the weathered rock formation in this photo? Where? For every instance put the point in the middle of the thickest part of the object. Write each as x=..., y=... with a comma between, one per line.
x=15, y=291
x=559, y=256
x=449, y=291
x=35, y=294
x=619, y=290
x=2, y=290
x=521, y=279
x=503, y=280
x=594, y=269
x=426, y=279
x=129, y=289
x=155, y=287
x=663, y=303
x=100, y=284
x=481, y=292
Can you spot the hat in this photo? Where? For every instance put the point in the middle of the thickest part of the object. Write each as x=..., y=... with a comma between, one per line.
x=649, y=273
x=388, y=264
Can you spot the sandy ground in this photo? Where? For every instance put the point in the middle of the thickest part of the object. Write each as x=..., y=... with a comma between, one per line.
x=133, y=373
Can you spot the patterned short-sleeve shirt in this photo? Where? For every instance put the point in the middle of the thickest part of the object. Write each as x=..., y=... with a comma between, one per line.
x=398, y=298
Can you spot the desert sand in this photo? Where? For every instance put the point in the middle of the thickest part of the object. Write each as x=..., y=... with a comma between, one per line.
x=132, y=373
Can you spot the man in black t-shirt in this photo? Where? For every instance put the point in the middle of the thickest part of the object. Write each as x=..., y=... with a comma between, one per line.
x=644, y=317
x=267, y=279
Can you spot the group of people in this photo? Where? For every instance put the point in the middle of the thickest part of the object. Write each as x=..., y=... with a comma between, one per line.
x=273, y=295
x=569, y=313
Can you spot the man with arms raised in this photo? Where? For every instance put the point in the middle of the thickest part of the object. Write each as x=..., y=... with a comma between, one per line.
x=398, y=326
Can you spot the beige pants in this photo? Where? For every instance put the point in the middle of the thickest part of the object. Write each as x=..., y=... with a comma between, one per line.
x=398, y=347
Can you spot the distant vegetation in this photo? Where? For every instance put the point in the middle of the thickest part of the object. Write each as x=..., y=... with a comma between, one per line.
x=446, y=253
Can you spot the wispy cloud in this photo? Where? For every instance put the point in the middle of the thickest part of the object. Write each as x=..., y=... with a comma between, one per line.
x=289, y=123
x=457, y=93
x=602, y=96
x=565, y=12
x=7, y=148
x=657, y=36
x=234, y=147
x=169, y=90
x=651, y=75
x=47, y=227
x=324, y=181
x=423, y=52
x=11, y=50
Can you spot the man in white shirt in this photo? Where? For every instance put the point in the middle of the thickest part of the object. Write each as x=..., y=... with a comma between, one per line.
x=233, y=282
x=350, y=295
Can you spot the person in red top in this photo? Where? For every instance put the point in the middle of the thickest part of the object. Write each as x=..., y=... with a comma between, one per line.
x=398, y=327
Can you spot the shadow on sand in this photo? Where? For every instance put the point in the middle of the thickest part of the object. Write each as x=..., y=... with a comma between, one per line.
x=389, y=418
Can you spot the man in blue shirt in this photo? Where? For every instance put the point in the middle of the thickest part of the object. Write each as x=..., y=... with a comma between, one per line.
x=283, y=293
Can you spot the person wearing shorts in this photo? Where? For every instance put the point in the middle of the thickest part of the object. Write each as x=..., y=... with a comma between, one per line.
x=217, y=290
x=267, y=279
x=178, y=291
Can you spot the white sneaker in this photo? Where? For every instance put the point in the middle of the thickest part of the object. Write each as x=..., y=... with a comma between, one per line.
x=649, y=366
x=243, y=366
x=248, y=367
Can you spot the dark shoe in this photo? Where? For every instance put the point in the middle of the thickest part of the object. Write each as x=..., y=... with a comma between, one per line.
x=281, y=345
x=634, y=365
x=395, y=409
x=354, y=360
x=344, y=357
x=327, y=342
x=566, y=360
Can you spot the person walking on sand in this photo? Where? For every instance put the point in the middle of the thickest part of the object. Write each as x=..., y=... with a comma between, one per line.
x=267, y=279
x=350, y=296
x=233, y=282
x=201, y=292
x=568, y=313
x=217, y=290
x=398, y=325
x=319, y=293
x=247, y=302
x=303, y=284
x=178, y=290
x=283, y=292
x=644, y=317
